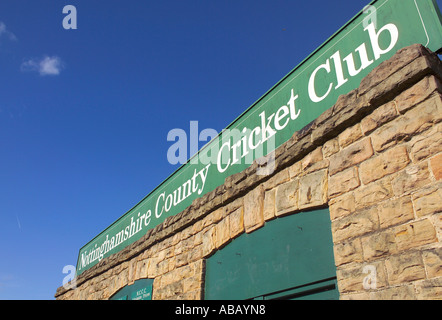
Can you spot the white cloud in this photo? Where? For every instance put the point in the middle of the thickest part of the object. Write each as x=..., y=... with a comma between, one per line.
x=6, y=32
x=46, y=66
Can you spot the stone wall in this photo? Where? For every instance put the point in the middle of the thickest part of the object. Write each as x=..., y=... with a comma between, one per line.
x=374, y=158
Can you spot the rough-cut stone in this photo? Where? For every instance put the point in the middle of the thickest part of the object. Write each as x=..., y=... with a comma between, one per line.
x=378, y=245
x=417, y=93
x=425, y=146
x=287, y=197
x=378, y=117
x=350, y=135
x=269, y=205
x=393, y=212
x=372, y=193
x=353, y=154
x=395, y=293
x=429, y=289
x=417, y=120
x=354, y=225
x=411, y=178
x=236, y=222
x=348, y=251
x=222, y=233
x=414, y=234
x=342, y=206
x=386, y=163
x=330, y=148
x=351, y=277
x=313, y=190
x=405, y=268
x=428, y=200
x=433, y=262
x=253, y=209
x=436, y=166
x=343, y=182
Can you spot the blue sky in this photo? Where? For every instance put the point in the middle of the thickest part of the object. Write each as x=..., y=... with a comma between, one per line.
x=85, y=113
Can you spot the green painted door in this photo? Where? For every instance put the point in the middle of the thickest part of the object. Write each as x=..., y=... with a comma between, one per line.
x=289, y=258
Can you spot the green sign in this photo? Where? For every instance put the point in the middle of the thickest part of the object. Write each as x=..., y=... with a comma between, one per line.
x=335, y=68
x=139, y=290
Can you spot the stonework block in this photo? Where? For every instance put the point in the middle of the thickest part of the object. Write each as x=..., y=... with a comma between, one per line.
x=428, y=200
x=330, y=147
x=253, y=209
x=414, y=234
x=405, y=268
x=342, y=206
x=372, y=193
x=424, y=146
x=436, y=166
x=348, y=251
x=392, y=212
x=287, y=197
x=378, y=117
x=417, y=93
x=313, y=189
x=378, y=245
x=404, y=292
x=429, y=289
x=343, y=182
x=354, y=225
x=411, y=178
x=386, y=163
x=433, y=262
x=353, y=154
x=351, y=277
x=350, y=135
x=269, y=205
x=415, y=121
x=236, y=222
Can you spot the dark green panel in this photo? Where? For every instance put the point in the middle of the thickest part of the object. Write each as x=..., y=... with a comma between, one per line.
x=287, y=252
x=139, y=290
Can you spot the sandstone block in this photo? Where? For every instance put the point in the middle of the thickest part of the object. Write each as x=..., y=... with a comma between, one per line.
x=386, y=163
x=378, y=245
x=353, y=154
x=405, y=268
x=433, y=262
x=396, y=211
x=354, y=225
x=428, y=200
x=417, y=93
x=415, y=121
x=236, y=222
x=343, y=182
x=351, y=278
x=269, y=205
x=429, y=289
x=330, y=147
x=313, y=189
x=394, y=293
x=411, y=178
x=372, y=193
x=253, y=209
x=414, y=234
x=287, y=197
x=350, y=135
x=426, y=146
x=436, y=166
x=342, y=206
x=378, y=117
x=348, y=251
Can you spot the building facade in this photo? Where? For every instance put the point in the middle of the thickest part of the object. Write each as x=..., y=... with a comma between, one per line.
x=352, y=209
